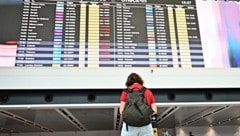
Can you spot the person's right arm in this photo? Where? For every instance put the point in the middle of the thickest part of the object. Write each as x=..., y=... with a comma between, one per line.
x=151, y=101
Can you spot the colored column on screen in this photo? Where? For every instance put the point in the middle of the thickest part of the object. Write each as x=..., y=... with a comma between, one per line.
x=183, y=38
x=58, y=35
x=173, y=39
x=82, y=36
x=151, y=37
x=93, y=36
x=105, y=59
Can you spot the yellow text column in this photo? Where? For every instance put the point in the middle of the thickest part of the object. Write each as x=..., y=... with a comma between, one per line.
x=82, y=35
x=173, y=38
x=93, y=36
x=183, y=38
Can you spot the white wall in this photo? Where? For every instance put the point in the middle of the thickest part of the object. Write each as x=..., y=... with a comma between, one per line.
x=101, y=78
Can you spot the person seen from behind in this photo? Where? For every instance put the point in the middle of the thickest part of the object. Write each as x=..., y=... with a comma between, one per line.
x=135, y=82
x=190, y=134
x=165, y=132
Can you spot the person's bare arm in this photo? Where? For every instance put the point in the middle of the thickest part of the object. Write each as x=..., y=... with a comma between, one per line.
x=154, y=108
x=122, y=105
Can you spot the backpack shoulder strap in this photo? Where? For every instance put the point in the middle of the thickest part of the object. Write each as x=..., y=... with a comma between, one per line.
x=128, y=90
x=143, y=89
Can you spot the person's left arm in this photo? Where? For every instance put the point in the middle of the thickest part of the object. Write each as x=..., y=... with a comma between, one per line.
x=122, y=106
x=123, y=99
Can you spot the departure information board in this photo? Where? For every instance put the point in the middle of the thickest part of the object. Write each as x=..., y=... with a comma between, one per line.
x=105, y=33
x=109, y=34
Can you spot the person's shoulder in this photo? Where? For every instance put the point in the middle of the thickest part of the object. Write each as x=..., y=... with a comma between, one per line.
x=148, y=90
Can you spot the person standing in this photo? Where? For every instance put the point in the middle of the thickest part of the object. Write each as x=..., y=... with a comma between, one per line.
x=135, y=82
x=190, y=134
x=165, y=132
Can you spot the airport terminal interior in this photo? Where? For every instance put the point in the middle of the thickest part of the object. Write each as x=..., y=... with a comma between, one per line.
x=64, y=64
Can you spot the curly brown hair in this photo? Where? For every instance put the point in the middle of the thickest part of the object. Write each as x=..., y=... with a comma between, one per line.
x=133, y=78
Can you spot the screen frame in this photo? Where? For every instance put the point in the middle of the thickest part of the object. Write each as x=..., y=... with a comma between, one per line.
x=115, y=78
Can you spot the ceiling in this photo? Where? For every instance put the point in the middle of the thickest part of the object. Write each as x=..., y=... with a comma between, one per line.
x=89, y=118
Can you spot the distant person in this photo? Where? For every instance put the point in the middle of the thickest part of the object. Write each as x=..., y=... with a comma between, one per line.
x=165, y=132
x=190, y=134
x=135, y=83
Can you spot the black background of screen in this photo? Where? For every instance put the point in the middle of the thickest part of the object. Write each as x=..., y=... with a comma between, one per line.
x=10, y=15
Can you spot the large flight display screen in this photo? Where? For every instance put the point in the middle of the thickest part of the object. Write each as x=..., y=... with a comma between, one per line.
x=120, y=33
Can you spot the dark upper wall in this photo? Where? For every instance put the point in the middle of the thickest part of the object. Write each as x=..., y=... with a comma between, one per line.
x=91, y=96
